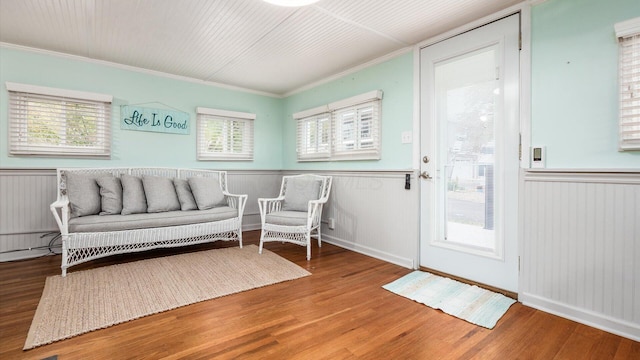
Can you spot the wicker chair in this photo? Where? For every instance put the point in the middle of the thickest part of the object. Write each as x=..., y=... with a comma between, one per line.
x=295, y=215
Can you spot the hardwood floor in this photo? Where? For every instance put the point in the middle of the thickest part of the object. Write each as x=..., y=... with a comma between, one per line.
x=340, y=312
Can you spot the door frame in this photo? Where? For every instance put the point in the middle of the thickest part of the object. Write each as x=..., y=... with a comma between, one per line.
x=524, y=9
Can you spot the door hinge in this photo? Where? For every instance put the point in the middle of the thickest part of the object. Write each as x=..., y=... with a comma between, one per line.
x=520, y=41
x=520, y=146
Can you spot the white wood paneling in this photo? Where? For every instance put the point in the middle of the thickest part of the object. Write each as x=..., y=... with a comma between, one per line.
x=255, y=184
x=26, y=195
x=580, y=246
x=24, y=211
x=374, y=215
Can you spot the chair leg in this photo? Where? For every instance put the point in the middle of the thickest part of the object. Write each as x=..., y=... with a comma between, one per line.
x=319, y=237
x=309, y=246
x=261, y=241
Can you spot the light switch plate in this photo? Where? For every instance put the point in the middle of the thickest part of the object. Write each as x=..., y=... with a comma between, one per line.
x=407, y=137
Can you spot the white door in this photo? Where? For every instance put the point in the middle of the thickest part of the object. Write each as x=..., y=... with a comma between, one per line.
x=469, y=90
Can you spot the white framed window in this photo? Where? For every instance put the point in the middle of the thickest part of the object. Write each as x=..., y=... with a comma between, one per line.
x=313, y=134
x=357, y=131
x=54, y=122
x=224, y=135
x=628, y=33
x=348, y=129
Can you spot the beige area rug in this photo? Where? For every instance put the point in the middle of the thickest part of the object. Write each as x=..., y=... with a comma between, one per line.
x=98, y=298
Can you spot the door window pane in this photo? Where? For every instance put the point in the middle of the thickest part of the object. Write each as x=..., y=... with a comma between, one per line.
x=467, y=88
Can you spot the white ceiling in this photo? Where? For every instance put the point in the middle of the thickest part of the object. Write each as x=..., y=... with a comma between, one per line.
x=244, y=43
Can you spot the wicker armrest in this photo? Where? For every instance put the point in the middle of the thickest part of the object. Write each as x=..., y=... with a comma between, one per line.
x=60, y=210
x=269, y=205
x=314, y=206
x=236, y=201
x=59, y=203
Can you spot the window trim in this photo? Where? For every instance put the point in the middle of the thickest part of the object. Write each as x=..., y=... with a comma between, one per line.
x=334, y=109
x=208, y=114
x=18, y=145
x=628, y=31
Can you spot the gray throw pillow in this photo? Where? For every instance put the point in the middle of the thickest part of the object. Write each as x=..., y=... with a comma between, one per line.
x=299, y=192
x=207, y=192
x=160, y=193
x=83, y=193
x=187, y=202
x=110, y=194
x=133, y=199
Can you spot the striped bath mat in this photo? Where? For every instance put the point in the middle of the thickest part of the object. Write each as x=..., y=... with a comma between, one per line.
x=471, y=303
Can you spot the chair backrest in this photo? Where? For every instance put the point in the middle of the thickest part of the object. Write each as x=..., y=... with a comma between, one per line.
x=298, y=190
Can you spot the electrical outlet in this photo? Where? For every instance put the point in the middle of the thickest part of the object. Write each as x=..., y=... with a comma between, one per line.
x=331, y=223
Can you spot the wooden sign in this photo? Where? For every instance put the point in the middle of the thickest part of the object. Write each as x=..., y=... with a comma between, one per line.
x=155, y=120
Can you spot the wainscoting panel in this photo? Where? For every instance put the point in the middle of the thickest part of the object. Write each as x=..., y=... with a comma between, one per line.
x=580, y=248
x=25, y=196
x=374, y=215
x=256, y=184
x=373, y=212
x=25, y=217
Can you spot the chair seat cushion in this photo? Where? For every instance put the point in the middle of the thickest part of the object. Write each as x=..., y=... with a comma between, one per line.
x=288, y=218
x=98, y=223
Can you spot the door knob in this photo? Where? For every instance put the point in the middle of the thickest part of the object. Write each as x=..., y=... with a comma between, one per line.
x=425, y=159
x=425, y=175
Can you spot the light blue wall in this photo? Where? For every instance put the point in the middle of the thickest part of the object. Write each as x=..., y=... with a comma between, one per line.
x=395, y=78
x=574, y=82
x=135, y=148
x=574, y=100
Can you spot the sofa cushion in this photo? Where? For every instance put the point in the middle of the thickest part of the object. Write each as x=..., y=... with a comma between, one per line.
x=185, y=196
x=133, y=199
x=289, y=218
x=98, y=223
x=84, y=194
x=299, y=192
x=160, y=193
x=110, y=195
x=207, y=192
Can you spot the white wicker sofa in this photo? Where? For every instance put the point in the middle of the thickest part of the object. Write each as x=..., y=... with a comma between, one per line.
x=94, y=224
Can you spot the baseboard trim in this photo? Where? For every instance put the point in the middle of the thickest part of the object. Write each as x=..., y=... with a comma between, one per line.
x=587, y=317
x=251, y=227
x=23, y=255
x=365, y=250
x=507, y=293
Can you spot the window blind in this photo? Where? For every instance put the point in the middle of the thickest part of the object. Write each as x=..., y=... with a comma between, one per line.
x=42, y=123
x=314, y=137
x=629, y=72
x=224, y=135
x=357, y=131
x=348, y=129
